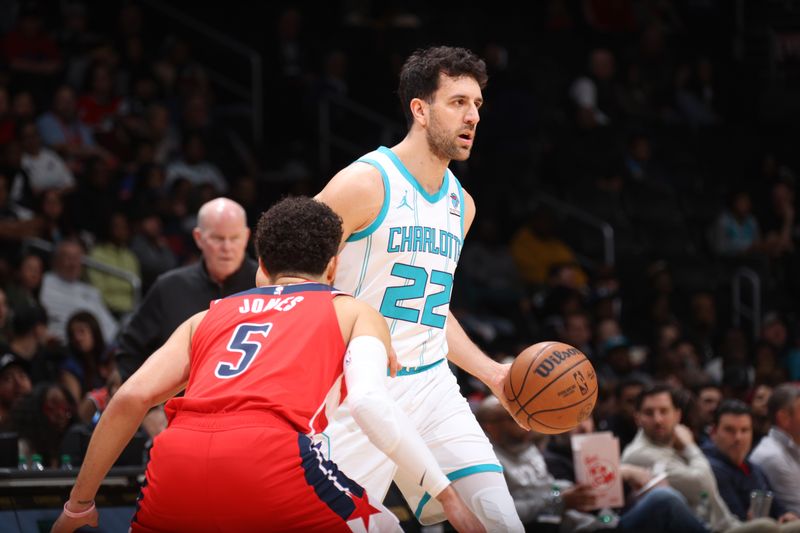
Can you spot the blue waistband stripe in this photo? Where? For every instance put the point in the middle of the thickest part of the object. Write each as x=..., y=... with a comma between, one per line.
x=411, y=370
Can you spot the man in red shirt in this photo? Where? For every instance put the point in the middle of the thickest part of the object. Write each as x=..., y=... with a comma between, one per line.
x=263, y=370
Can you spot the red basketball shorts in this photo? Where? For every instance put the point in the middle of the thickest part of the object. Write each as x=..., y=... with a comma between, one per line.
x=248, y=472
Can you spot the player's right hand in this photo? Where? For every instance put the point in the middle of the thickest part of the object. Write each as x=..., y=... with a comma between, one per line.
x=65, y=524
x=458, y=514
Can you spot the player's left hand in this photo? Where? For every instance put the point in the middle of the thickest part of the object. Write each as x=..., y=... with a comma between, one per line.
x=65, y=524
x=394, y=366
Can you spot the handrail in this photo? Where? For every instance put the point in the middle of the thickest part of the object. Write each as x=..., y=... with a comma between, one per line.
x=132, y=279
x=740, y=308
x=256, y=71
x=609, y=254
x=390, y=131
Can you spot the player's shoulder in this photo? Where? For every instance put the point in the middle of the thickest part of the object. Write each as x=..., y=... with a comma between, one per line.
x=357, y=179
x=350, y=309
x=193, y=322
x=356, y=194
x=346, y=304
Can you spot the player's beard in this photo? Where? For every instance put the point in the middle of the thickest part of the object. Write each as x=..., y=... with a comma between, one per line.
x=444, y=144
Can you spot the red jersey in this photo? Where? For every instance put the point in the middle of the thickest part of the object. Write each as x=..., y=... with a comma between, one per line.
x=277, y=348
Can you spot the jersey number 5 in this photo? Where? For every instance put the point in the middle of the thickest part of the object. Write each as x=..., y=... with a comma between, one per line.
x=247, y=348
x=418, y=277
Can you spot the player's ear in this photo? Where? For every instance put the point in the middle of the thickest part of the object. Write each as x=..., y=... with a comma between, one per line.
x=419, y=110
x=330, y=270
x=262, y=276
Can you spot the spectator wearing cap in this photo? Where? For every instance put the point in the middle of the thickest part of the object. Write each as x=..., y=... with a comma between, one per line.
x=615, y=361
x=14, y=384
x=778, y=454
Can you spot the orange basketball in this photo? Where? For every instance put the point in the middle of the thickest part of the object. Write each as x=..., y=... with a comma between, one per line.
x=551, y=387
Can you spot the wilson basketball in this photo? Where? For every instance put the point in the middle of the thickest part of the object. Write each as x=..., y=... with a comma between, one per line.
x=551, y=387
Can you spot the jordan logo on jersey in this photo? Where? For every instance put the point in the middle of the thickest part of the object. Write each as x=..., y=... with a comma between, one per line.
x=404, y=202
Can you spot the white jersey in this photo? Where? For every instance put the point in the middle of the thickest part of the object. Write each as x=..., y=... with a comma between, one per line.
x=403, y=263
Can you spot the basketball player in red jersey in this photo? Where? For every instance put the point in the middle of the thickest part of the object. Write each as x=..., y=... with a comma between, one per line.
x=263, y=371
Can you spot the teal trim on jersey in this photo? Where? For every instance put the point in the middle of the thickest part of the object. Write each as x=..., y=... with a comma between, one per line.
x=364, y=265
x=432, y=198
x=411, y=370
x=463, y=208
x=458, y=474
x=384, y=208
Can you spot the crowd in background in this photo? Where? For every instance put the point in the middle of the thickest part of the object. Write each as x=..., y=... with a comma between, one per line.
x=113, y=132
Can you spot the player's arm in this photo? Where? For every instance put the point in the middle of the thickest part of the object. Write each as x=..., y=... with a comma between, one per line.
x=356, y=195
x=161, y=376
x=461, y=350
x=384, y=423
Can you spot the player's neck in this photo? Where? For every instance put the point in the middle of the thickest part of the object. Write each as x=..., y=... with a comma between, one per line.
x=292, y=280
x=427, y=169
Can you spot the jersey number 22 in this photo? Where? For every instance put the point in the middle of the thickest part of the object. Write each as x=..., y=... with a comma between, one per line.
x=418, y=277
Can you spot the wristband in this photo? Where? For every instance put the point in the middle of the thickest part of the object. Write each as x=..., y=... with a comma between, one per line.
x=82, y=514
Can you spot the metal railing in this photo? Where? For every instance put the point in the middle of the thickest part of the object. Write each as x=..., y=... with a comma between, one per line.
x=604, y=228
x=389, y=131
x=742, y=309
x=88, y=262
x=253, y=92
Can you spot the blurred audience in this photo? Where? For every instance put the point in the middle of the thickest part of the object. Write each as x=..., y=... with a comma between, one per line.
x=778, y=453
x=64, y=293
x=737, y=476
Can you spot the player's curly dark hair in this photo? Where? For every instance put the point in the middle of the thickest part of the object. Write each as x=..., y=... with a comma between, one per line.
x=298, y=235
x=419, y=77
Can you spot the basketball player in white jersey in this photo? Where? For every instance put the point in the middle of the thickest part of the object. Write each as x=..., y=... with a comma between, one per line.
x=405, y=217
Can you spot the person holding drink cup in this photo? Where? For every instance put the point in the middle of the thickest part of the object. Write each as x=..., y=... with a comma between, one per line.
x=743, y=485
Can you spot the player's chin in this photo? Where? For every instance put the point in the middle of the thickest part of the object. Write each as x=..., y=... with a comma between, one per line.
x=462, y=154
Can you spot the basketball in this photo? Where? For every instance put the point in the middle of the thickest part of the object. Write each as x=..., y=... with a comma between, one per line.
x=551, y=387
